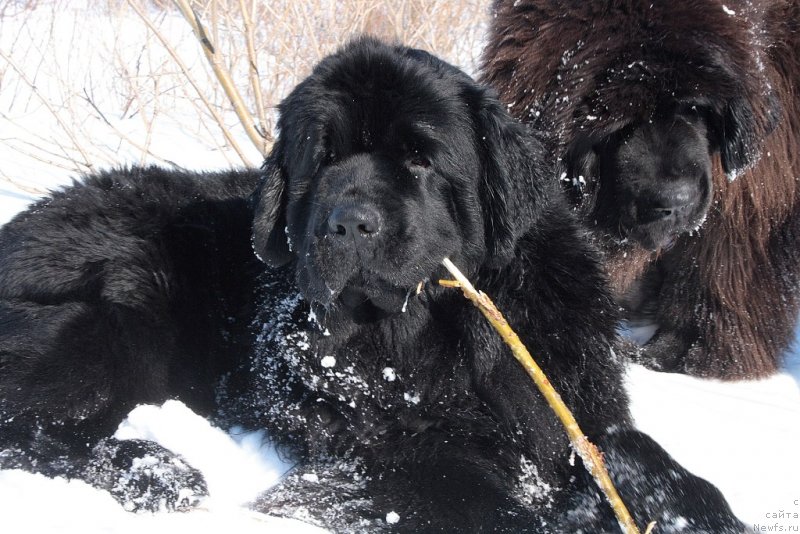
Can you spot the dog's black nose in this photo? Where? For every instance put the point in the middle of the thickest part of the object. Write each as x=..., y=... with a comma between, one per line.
x=358, y=221
x=672, y=200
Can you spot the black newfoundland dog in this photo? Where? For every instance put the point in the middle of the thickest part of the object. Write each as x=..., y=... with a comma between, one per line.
x=678, y=125
x=403, y=409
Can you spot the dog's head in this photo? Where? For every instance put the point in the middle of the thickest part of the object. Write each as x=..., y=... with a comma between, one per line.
x=651, y=180
x=644, y=106
x=388, y=160
x=647, y=182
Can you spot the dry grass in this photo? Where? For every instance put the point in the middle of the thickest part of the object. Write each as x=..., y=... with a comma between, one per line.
x=57, y=115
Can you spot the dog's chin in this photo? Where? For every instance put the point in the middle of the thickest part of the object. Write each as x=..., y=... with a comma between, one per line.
x=654, y=237
x=623, y=239
x=662, y=235
x=367, y=304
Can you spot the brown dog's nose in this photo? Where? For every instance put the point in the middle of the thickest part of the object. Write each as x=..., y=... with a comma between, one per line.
x=672, y=200
x=357, y=221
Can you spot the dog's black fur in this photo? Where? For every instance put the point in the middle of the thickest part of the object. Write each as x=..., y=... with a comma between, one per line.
x=140, y=285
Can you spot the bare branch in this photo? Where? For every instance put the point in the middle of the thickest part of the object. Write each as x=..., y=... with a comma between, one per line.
x=224, y=77
x=255, y=78
x=67, y=130
x=189, y=78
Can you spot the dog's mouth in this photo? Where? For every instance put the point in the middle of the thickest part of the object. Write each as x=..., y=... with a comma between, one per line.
x=365, y=296
x=344, y=282
x=378, y=294
x=365, y=304
x=654, y=236
x=659, y=229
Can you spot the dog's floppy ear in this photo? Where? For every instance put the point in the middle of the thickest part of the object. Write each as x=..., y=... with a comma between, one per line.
x=740, y=130
x=269, y=221
x=513, y=185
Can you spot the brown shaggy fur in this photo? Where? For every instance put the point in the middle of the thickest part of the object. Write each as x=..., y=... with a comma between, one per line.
x=725, y=297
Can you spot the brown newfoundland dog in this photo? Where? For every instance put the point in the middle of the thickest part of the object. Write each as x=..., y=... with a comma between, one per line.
x=676, y=124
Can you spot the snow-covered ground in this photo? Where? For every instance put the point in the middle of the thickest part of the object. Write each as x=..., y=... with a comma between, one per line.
x=237, y=467
x=743, y=436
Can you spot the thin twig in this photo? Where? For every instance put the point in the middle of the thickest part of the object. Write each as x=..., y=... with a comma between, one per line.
x=143, y=149
x=189, y=78
x=205, y=126
x=224, y=77
x=255, y=78
x=35, y=91
x=591, y=456
x=34, y=192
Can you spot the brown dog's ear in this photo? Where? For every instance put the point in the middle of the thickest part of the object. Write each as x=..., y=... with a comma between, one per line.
x=740, y=130
x=269, y=221
x=514, y=184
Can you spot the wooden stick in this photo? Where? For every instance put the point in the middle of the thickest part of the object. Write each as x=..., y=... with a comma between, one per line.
x=591, y=456
x=253, y=74
x=222, y=75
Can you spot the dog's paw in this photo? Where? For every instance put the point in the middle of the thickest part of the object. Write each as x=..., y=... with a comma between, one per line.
x=144, y=476
x=666, y=352
x=332, y=496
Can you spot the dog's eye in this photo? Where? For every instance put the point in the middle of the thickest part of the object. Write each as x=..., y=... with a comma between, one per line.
x=330, y=157
x=419, y=161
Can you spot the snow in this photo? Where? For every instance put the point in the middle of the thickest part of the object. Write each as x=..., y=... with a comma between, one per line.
x=412, y=398
x=80, y=63
x=237, y=467
x=743, y=437
x=389, y=375
x=311, y=477
x=250, y=466
x=12, y=200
